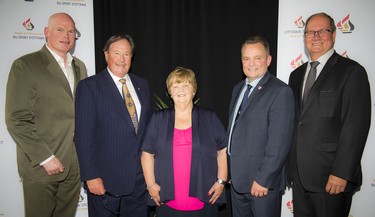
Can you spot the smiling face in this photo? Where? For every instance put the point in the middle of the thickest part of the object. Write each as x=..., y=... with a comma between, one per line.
x=255, y=60
x=182, y=92
x=119, y=57
x=60, y=34
x=319, y=45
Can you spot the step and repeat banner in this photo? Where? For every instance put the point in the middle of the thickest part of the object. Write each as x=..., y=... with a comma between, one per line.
x=354, y=39
x=22, y=25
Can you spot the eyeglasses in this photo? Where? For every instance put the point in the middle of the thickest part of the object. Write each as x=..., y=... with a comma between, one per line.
x=106, y=205
x=321, y=32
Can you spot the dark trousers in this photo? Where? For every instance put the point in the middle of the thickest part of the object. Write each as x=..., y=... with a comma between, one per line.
x=313, y=204
x=208, y=210
x=245, y=205
x=53, y=199
x=110, y=205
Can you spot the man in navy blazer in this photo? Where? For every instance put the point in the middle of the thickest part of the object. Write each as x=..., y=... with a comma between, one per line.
x=332, y=123
x=107, y=141
x=260, y=134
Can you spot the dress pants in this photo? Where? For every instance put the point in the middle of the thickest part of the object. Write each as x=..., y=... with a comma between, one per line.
x=109, y=205
x=245, y=205
x=317, y=204
x=53, y=199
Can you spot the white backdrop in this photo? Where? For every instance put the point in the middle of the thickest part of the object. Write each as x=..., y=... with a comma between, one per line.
x=22, y=23
x=354, y=39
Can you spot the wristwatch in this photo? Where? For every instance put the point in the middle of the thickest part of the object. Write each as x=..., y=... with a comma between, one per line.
x=220, y=181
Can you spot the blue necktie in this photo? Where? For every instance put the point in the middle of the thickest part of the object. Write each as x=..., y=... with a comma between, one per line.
x=245, y=100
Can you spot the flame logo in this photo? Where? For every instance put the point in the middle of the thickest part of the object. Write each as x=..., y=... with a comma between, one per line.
x=299, y=22
x=28, y=25
x=345, y=26
x=289, y=205
x=345, y=54
x=297, y=62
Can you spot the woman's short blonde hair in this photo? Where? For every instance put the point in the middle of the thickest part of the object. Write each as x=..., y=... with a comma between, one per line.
x=179, y=75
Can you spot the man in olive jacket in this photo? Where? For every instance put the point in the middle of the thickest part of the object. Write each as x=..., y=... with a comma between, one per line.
x=40, y=117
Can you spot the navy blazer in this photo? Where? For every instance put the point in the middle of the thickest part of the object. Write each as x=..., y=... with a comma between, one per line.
x=332, y=127
x=262, y=135
x=208, y=137
x=107, y=144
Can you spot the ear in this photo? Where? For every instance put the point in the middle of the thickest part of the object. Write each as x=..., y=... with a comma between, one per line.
x=46, y=32
x=269, y=59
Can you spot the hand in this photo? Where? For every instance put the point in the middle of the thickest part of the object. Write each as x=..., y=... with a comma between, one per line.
x=96, y=186
x=53, y=167
x=154, y=193
x=215, y=192
x=258, y=190
x=335, y=185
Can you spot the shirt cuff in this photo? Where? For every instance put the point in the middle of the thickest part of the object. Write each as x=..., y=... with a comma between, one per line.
x=46, y=161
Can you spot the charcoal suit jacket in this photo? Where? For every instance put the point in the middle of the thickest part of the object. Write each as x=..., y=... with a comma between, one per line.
x=331, y=127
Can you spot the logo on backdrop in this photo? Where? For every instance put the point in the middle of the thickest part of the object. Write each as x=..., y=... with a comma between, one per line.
x=294, y=33
x=345, y=26
x=299, y=23
x=289, y=205
x=297, y=62
x=29, y=34
x=345, y=54
x=28, y=25
x=72, y=3
x=82, y=203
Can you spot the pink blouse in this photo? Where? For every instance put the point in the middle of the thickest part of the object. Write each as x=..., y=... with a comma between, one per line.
x=182, y=152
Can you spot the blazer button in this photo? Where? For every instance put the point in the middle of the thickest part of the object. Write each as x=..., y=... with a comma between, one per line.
x=300, y=123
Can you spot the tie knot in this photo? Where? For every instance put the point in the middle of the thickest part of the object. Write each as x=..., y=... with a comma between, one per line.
x=122, y=81
x=314, y=64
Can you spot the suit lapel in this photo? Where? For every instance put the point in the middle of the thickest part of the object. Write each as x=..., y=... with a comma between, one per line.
x=256, y=92
x=77, y=74
x=315, y=89
x=236, y=92
x=114, y=94
x=55, y=70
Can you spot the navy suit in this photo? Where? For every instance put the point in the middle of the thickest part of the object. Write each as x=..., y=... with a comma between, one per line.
x=261, y=137
x=107, y=144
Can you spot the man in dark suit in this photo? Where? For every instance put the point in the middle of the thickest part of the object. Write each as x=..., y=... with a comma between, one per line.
x=109, y=132
x=260, y=135
x=332, y=123
x=39, y=114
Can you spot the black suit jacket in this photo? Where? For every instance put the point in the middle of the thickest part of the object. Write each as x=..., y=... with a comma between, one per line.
x=331, y=128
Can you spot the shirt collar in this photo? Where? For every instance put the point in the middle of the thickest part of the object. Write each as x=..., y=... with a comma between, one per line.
x=323, y=59
x=58, y=58
x=116, y=78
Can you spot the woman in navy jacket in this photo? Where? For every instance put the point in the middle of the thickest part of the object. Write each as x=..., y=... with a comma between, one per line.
x=184, y=154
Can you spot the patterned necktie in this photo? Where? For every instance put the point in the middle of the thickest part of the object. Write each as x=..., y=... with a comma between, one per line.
x=129, y=104
x=310, y=80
